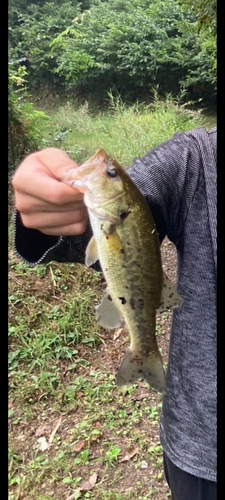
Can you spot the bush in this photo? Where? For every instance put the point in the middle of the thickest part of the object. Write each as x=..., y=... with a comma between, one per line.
x=25, y=124
x=126, y=47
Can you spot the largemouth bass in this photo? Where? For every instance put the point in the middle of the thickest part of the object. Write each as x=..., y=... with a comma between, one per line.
x=126, y=243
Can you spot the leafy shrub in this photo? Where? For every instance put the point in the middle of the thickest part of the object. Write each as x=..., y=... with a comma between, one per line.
x=24, y=122
x=128, y=47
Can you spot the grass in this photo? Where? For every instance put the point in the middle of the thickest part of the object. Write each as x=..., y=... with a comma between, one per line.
x=125, y=132
x=53, y=339
x=72, y=433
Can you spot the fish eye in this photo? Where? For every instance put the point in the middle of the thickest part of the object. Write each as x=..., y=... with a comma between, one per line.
x=111, y=172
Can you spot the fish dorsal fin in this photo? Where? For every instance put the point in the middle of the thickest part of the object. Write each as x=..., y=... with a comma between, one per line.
x=91, y=253
x=107, y=313
x=170, y=298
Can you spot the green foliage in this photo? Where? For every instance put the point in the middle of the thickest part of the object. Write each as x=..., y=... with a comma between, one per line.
x=30, y=34
x=24, y=122
x=94, y=47
x=203, y=74
x=136, y=46
x=206, y=12
x=123, y=131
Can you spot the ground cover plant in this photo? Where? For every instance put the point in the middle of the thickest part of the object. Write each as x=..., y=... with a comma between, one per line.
x=72, y=433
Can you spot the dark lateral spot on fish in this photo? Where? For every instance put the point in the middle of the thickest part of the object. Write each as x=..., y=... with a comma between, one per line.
x=109, y=297
x=123, y=300
x=124, y=215
x=111, y=229
x=107, y=237
x=122, y=250
x=132, y=303
x=139, y=371
x=101, y=227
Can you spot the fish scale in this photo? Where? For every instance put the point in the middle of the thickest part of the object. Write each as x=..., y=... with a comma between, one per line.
x=133, y=275
x=126, y=243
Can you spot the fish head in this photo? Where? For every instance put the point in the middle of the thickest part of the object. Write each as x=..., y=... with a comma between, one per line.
x=108, y=190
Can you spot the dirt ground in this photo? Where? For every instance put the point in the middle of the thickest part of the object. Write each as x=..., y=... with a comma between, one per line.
x=119, y=480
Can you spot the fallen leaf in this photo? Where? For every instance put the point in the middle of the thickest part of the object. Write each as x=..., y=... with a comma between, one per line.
x=130, y=454
x=141, y=396
x=41, y=430
x=74, y=494
x=117, y=333
x=10, y=405
x=43, y=443
x=79, y=394
x=79, y=446
x=55, y=430
x=21, y=437
x=85, y=486
x=129, y=411
x=89, y=484
x=52, y=276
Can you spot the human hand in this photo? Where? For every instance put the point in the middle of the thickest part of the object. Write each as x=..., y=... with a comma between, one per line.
x=44, y=202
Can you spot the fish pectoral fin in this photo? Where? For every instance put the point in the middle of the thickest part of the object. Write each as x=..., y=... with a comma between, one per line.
x=170, y=298
x=136, y=366
x=107, y=313
x=91, y=253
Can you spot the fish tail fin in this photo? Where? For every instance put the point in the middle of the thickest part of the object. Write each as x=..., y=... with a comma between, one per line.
x=135, y=366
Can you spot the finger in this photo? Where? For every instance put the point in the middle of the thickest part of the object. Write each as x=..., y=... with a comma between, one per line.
x=43, y=220
x=27, y=204
x=46, y=188
x=68, y=230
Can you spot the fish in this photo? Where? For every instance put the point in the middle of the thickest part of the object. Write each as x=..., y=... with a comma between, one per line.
x=126, y=243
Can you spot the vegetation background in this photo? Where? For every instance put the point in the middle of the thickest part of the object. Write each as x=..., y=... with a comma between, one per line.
x=82, y=75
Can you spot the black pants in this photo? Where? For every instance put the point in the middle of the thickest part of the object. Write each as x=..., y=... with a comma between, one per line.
x=185, y=486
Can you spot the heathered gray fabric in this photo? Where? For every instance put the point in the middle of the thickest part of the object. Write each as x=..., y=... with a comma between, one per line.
x=185, y=188
x=178, y=179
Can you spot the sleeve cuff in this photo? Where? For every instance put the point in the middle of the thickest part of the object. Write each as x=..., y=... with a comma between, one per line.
x=30, y=244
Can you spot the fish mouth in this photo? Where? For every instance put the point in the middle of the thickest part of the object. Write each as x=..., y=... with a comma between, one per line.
x=79, y=177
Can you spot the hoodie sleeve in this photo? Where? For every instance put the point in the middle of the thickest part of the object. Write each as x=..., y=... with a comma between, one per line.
x=34, y=247
x=168, y=176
